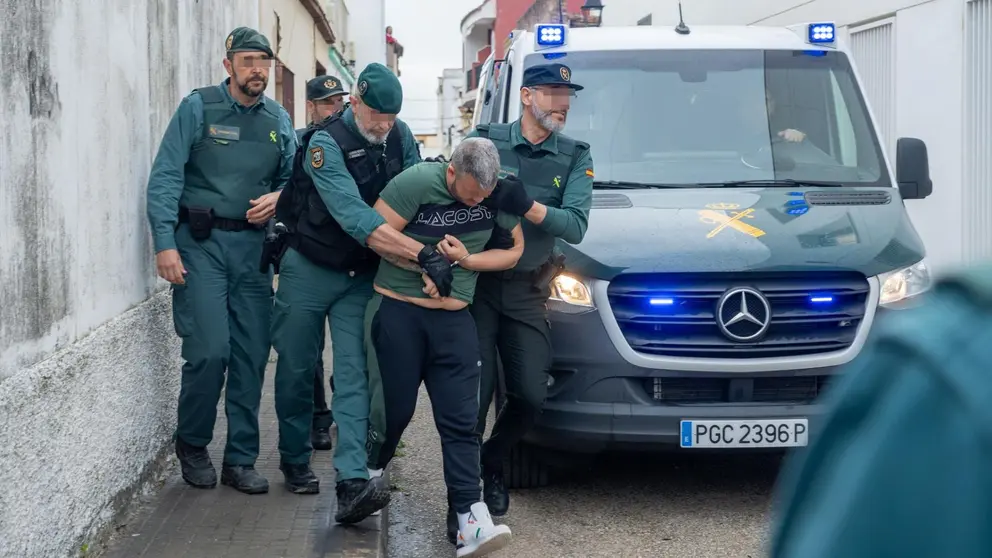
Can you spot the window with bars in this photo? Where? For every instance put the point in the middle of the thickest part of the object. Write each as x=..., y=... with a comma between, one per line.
x=977, y=140
x=873, y=48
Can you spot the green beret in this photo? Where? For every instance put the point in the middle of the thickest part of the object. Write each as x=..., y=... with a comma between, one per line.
x=380, y=89
x=244, y=39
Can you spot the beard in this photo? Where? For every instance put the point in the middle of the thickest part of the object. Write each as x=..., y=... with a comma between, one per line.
x=254, y=87
x=373, y=139
x=546, y=120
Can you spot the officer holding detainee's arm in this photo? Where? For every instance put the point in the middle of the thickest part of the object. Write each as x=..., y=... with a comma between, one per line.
x=226, y=153
x=510, y=307
x=326, y=276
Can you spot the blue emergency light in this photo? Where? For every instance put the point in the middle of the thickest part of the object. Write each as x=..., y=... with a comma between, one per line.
x=821, y=33
x=549, y=35
x=661, y=301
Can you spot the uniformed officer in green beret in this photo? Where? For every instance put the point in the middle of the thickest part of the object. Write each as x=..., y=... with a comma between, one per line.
x=900, y=466
x=325, y=96
x=225, y=156
x=326, y=275
x=509, y=307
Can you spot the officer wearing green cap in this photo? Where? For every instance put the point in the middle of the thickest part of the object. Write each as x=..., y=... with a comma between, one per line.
x=325, y=96
x=900, y=466
x=509, y=307
x=326, y=275
x=223, y=160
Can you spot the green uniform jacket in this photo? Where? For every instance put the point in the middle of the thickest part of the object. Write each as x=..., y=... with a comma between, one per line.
x=902, y=465
x=337, y=187
x=568, y=199
x=168, y=174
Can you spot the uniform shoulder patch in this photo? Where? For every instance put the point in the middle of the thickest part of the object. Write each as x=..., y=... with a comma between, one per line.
x=316, y=157
x=590, y=174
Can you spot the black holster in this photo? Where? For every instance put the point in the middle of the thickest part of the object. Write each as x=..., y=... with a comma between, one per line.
x=273, y=248
x=201, y=222
x=550, y=269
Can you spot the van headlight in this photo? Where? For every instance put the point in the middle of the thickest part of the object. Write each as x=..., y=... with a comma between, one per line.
x=570, y=294
x=901, y=285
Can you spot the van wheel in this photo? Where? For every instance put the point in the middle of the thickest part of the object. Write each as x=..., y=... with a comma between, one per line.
x=524, y=468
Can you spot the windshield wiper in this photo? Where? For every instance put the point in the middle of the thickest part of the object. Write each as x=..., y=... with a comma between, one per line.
x=624, y=185
x=774, y=182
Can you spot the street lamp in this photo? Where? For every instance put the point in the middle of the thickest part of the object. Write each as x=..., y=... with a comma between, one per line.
x=592, y=13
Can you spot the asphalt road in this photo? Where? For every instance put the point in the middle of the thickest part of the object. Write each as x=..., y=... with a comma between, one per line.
x=675, y=505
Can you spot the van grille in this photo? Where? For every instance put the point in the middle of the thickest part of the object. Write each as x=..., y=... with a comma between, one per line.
x=687, y=327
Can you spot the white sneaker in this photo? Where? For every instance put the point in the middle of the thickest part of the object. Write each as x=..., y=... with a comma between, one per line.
x=478, y=536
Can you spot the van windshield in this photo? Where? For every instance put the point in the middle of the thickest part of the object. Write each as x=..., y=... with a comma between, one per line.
x=689, y=117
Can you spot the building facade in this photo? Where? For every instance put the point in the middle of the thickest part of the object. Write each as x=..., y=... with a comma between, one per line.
x=301, y=37
x=342, y=52
x=926, y=67
x=367, y=29
x=449, y=117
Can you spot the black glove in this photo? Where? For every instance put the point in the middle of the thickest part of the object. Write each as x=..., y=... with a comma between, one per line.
x=437, y=267
x=511, y=196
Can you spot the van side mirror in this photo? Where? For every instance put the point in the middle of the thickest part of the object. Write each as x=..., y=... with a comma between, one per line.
x=913, y=169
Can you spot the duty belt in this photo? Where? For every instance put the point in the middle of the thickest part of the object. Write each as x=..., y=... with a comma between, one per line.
x=223, y=223
x=514, y=275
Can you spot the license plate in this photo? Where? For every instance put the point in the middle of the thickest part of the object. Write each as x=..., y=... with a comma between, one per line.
x=772, y=433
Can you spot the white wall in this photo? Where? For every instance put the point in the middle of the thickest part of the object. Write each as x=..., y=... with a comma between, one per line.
x=451, y=83
x=367, y=29
x=926, y=99
x=301, y=46
x=89, y=362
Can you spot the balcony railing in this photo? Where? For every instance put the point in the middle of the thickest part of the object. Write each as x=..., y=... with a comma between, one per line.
x=472, y=78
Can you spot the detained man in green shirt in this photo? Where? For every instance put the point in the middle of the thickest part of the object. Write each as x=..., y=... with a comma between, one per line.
x=325, y=96
x=226, y=154
x=418, y=334
x=326, y=276
x=510, y=309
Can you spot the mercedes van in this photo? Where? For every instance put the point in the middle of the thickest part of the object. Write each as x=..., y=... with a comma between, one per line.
x=747, y=229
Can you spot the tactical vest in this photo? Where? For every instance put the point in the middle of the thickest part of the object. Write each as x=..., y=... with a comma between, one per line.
x=314, y=233
x=544, y=175
x=235, y=159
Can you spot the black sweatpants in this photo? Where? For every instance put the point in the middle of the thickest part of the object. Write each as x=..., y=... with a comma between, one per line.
x=441, y=349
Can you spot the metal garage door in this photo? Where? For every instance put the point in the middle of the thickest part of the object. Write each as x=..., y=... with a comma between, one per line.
x=977, y=141
x=873, y=47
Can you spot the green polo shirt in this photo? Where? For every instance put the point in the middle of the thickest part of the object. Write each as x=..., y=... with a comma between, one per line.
x=336, y=186
x=420, y=195
x=568, y=201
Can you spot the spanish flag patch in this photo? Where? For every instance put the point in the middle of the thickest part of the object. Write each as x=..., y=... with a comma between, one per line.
x=589, y=173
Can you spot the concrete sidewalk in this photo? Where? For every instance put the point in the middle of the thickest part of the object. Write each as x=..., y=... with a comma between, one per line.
x=182, y=521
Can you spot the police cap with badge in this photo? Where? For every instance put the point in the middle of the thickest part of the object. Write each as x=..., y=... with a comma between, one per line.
x=324, y=87
x=246, y=39
x=549, y=74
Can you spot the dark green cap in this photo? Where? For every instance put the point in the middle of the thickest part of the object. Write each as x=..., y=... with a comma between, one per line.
x=244, y=39
x=380, y=89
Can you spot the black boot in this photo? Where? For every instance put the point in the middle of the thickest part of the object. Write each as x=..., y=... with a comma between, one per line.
x=244, y=478
x=196, y=466
x=320, y=438
x=359, y=498
x=494, y=492
x=452, y=525
x=300, y=478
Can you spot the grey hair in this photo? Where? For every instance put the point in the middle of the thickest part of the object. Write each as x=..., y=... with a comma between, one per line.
x=479, y=158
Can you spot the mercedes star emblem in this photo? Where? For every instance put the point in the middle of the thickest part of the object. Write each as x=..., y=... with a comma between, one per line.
x=743, y=314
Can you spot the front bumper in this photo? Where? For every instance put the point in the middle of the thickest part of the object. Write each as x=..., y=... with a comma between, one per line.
x=604, y=396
